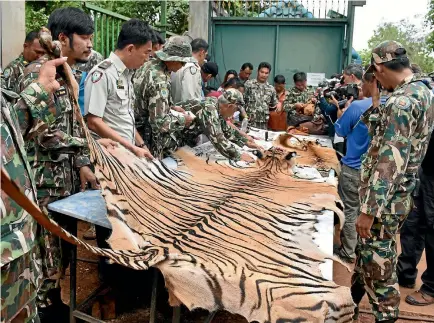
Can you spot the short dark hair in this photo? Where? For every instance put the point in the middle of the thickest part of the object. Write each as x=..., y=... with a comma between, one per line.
x=69, y=21
x=279, y=79
x=134, y=31
x=234, y=82
x=246, y=65
x=399, y=64
x=264, y=65
x=157, y=39
x=210, y=68
x=198, y=44
x=31, y=36
x=355, y=69
x=299, y=77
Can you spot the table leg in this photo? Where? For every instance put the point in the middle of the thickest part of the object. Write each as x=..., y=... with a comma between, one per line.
x=73, y=277
x=154, y=297
x=176, y=314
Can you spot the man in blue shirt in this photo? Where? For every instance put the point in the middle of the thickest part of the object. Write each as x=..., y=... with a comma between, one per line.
x=350, y=127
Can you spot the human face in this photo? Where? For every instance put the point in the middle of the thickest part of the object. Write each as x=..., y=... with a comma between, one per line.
x=200, y=56
x=301, y=85
x=174, y=66
x=245, y=74
x=32, y=50
x=80, y=49
x=263, y=74
x=279, y=87
x=206, y=77
x=227, y=110
x=350, y=79
x=138, y=55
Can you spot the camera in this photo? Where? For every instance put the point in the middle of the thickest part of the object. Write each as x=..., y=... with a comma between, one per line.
x=331, y=87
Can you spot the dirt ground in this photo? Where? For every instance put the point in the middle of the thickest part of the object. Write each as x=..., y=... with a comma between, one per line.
x=135, y=309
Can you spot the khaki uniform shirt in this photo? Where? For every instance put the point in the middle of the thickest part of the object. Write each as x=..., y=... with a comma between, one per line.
x=109, y=94
x=187, y=83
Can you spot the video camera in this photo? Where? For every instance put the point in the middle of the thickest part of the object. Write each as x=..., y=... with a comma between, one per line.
x=341, y=93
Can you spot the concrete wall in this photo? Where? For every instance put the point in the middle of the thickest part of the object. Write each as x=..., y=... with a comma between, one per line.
x=198, y=19
x=13, y=30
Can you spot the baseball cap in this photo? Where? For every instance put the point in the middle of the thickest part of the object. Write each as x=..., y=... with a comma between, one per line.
x=386, y=51
x=233, y=96
x=176, y=49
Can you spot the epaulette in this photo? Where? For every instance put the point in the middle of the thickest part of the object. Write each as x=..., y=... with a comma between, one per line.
x=105, y=64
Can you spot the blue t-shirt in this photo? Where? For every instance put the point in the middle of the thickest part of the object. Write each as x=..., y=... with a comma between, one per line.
x=356, y=132
x=81, y=92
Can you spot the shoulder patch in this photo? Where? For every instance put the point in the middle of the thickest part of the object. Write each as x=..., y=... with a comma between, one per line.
x=164, y=92
x=403, y=103
x=7, y=72
x=105, y=64
x=193, y=70
x=96, y=76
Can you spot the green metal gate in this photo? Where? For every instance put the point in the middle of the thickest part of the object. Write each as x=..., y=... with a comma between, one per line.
x=108, y=25
x=310, y=35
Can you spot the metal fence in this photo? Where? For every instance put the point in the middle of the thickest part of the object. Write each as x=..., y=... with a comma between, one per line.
x=108, y=24
x=323, y=9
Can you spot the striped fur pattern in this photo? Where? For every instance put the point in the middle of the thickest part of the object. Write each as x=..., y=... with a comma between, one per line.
x=224, y=237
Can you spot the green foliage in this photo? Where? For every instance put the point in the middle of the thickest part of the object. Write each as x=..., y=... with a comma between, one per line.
x=37, y=12
x=430, y=24
x=365, y=55
x=410, y=36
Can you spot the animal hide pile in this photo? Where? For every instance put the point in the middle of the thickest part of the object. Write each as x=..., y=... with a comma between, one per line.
x=226, y=237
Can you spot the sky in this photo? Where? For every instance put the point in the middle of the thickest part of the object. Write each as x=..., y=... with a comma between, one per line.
x=375, y=12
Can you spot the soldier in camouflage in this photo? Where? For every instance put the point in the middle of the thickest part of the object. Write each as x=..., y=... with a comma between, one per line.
x=58, y=151
x=13, y=73
x=21, y=273
x=260, y=97
x=400, y=133
x=297, y=98
x=156, y=120
x=211, y=115
x=94, y=59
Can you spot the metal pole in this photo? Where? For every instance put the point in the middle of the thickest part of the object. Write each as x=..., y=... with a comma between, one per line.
x=163, y=18
x=350, y=31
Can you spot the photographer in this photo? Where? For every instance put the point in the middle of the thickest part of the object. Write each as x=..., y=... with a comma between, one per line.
x=356, y=134
x=352, y=75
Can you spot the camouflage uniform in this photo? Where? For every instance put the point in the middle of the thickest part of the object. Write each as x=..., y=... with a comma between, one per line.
x=56, y=149
x=259, y=98
x=20, y=258
x=400, y=133
x=294, y=96
x=160, y=126
x=214, y=126
x=94, y=59
x=13, y=73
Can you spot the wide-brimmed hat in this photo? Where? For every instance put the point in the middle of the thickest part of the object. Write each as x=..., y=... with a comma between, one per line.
x=176, y=49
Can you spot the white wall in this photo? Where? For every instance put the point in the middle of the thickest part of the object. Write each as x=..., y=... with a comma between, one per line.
x=198, y=19
x=13, y=31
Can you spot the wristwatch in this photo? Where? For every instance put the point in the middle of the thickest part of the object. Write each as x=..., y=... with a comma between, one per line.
x=141, y=145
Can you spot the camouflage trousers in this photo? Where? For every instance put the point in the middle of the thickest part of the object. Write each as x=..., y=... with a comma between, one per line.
x=375, y=270
x=54, y=253
x=20, y=281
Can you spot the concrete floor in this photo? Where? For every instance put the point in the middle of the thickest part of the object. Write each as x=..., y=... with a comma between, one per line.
x=342, y=277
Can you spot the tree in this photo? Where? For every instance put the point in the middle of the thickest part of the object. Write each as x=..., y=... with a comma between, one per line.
x=430, y=24
x=37, y=12
x=410, y=36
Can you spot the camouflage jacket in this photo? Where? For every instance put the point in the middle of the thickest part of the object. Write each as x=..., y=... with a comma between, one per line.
x=94, y=59
x=259, y=98
x=400, y=132
x=214, y=126
x=56, y=144
x=153, y=102
x=13, y=73
x=20, y=274
x=294, y=96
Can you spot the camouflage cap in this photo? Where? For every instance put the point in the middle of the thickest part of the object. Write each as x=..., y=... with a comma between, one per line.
x=386, y=51
x=176, y=49
x=233, y=96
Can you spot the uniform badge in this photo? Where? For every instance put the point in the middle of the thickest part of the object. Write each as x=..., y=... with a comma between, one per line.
x=96, y=76
x=404, y=103
x=164, y=93
x=120, y=84
x=6, y=73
